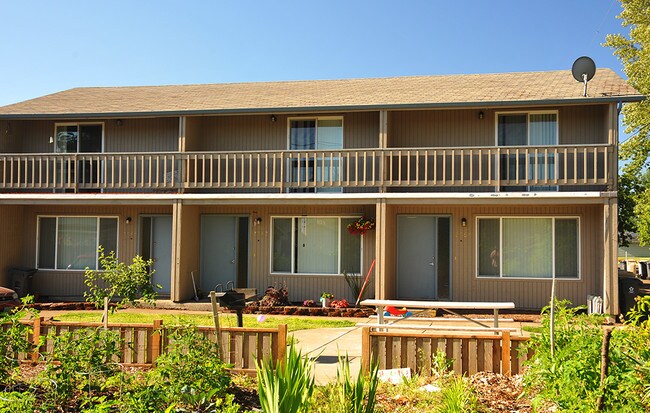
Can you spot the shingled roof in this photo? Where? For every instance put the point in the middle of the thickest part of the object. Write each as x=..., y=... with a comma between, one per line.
x=555, y=87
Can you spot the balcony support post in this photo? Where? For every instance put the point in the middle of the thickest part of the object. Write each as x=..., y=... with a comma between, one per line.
x=383, y=144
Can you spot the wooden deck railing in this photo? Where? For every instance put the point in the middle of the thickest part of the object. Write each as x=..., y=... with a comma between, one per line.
x=299, y=170
x=143, y=343
x=471, y=353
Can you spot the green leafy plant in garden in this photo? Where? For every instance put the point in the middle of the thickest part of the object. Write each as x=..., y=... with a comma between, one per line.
x=640, y=312
x=285, y=387
x=14, y=338
x=117, y=280
x=80, y=360
x=191, y=366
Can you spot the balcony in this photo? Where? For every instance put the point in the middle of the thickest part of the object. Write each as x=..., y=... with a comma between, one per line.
x=484, y=168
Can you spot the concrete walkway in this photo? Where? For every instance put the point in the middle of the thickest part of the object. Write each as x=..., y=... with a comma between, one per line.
x=325, y=345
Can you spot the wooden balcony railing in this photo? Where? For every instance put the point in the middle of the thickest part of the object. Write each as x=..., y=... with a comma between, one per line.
x=499, y=167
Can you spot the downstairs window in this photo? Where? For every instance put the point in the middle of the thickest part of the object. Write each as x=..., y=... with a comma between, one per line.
x=315, y=245
x=71, y=243
x=528, y=247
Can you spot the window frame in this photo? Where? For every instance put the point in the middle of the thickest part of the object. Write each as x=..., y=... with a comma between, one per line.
x=56, y=245
x=293, y=241
x=78, y=124
x=527, y=113
x=553, y=218
x=316, y=118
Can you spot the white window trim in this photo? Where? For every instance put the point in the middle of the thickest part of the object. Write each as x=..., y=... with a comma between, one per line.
x=527, y=113
x=57, y=124
x=500, y=276
x=56, y=245
x=297, y=274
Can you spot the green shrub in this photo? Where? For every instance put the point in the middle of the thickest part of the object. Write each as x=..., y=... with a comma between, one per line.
x=456, y=396
x=571, y=378
x=285, y=387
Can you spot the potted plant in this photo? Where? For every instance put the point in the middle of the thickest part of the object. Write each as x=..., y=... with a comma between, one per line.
x=326, y=299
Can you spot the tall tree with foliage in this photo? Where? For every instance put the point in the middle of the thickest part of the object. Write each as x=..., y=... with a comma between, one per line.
x=634, y=53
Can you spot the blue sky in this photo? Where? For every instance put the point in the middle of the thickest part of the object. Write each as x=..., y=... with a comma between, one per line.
x=49, y=46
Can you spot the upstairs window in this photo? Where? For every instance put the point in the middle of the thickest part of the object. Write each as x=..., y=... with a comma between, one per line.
x=79, y=138
x=71, y=243
x=316, y=134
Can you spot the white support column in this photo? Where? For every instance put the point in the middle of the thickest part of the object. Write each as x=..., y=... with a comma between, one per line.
x=177, y=213
x=380, y=249
x=383, y=144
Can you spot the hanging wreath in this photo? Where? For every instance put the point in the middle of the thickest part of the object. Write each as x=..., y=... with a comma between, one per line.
x=361, y=225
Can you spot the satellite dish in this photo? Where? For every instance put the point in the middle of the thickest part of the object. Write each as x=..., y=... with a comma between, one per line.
x=583, y=71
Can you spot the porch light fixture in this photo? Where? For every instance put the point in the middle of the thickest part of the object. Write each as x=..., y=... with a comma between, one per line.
x=128, y=220
x=118, y=122
x=481, y=115
x=463, y=222
x=258, y=220
x=274, y=118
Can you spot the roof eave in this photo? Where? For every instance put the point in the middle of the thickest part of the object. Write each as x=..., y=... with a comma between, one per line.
x=295, y=109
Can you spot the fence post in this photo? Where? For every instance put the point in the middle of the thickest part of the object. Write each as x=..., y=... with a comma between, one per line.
x=365, y=349
x=156, y=341
x=279, y=350
x=36, y=338
x=505, y=353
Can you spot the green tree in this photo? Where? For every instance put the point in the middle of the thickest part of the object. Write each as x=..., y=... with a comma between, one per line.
x=117, y=281
x=634, y=53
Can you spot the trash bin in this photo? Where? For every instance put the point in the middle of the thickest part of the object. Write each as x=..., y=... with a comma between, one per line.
x=628, y=290
x=21, y=280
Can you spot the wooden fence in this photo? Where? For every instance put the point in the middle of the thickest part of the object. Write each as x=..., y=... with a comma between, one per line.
x=470, y=353
x=143, y=343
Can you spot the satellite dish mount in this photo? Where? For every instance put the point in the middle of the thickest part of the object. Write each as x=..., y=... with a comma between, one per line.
x=583, y=71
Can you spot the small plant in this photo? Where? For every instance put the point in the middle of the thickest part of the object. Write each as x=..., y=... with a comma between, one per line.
x=309, y=303
x=116, y=279
x=640, y=312
x=457, y=396
x=355, y=282
x=327, y=296
x=285, y=387
x=275, y=297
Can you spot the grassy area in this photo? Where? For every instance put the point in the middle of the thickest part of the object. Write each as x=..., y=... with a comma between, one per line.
x=226, y=320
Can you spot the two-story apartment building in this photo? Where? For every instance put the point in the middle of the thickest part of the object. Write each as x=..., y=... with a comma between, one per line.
x=482, y=187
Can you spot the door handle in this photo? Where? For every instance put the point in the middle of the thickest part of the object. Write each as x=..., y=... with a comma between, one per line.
x=433, y=261
x=233, y=261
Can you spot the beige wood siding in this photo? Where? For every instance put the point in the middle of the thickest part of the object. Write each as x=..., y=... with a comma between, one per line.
x=583, y=125
x=465, y=286
x=12, y=235
x=141, y=135
x=258, y=132
x=70, y=283
x=445, y=128
x=440, y=128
